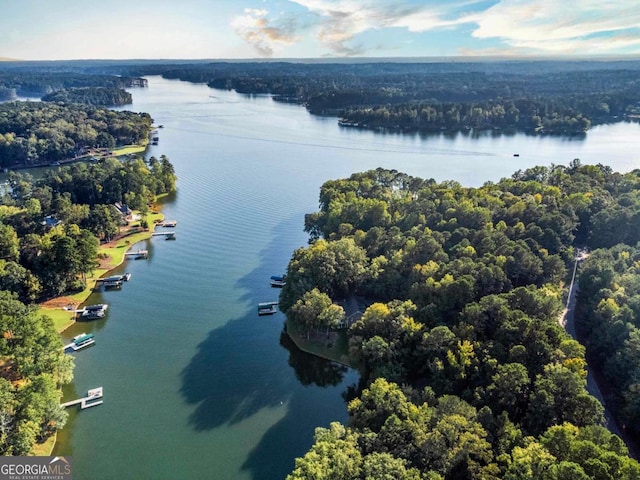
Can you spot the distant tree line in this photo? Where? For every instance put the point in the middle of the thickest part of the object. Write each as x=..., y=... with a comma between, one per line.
x=537, y=97
x=35, y=133
x=29, y=81
x=467, y=373
x=97, y=96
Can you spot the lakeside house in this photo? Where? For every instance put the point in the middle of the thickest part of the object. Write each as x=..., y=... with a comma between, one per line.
x=50, y=221
x=124, y=211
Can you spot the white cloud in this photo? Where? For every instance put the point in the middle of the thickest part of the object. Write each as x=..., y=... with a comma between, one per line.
x=532, y=26
x=516, y=26
x=340, y=21
x=559, y=27
x=265, y=36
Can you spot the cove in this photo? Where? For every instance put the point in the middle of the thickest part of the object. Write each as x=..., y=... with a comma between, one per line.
x=195, y=383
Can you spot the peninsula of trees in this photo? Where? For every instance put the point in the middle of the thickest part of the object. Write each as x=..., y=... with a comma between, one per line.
x=98, y=96
x=36, y=133
x=29, y=80
x=466, y=371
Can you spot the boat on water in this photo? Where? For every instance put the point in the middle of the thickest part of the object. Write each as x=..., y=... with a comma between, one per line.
x=277, y=281
x=126, y=277
x=267, y=308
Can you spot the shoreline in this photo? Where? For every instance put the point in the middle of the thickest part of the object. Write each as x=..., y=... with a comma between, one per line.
x=123, y=243
x=152, y=218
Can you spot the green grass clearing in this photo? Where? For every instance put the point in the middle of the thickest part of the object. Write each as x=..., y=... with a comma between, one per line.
x=335, y=348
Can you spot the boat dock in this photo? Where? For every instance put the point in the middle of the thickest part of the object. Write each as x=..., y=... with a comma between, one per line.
x=92, y=312
x=277, y=281
x=167, y=235
x=115, y=278
x=93, y=398
x=167, y=223
x=136, y=254
x=80, y=341
x=267, y=308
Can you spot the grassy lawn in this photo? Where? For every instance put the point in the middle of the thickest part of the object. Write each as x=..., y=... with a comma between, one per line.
x=44, y=449
x=126, y=150
x=335, y=348
x=62, y=319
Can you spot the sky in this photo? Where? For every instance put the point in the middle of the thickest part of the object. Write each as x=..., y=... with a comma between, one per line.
x=243, y=29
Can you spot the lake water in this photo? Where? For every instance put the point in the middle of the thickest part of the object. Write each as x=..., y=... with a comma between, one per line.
x=196, y=385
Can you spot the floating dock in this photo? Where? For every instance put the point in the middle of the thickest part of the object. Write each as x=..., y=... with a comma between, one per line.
x=167, y=235
x=136, y=254
x=92, y=312
x=115, y=278
x=167, y=223
x=93, y=398
x=80, y=341
x=267, y=308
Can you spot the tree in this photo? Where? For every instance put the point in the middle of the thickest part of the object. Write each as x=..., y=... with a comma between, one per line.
x=314, y=310
x=9, y=245
x=335, y=455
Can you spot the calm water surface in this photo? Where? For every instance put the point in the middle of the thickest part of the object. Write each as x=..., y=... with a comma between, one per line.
x=196, y=384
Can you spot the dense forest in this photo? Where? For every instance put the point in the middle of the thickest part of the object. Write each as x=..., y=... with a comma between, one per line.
x=41, y=259
x=27, y=80
x=466, y=371
x=33, y=367
x=537, y=97
x=36, y=133
x=98, y=96
x=610, y=303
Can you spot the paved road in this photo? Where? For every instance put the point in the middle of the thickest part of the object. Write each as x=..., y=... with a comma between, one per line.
x=568, y=322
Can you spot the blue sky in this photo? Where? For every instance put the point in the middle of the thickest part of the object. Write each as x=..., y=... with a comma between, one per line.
x=82, y=29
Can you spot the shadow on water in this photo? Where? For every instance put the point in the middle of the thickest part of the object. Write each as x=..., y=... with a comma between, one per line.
x=239, y=370
x=310, y=369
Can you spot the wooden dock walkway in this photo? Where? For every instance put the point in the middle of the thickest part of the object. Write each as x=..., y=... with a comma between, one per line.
x=93, y=398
